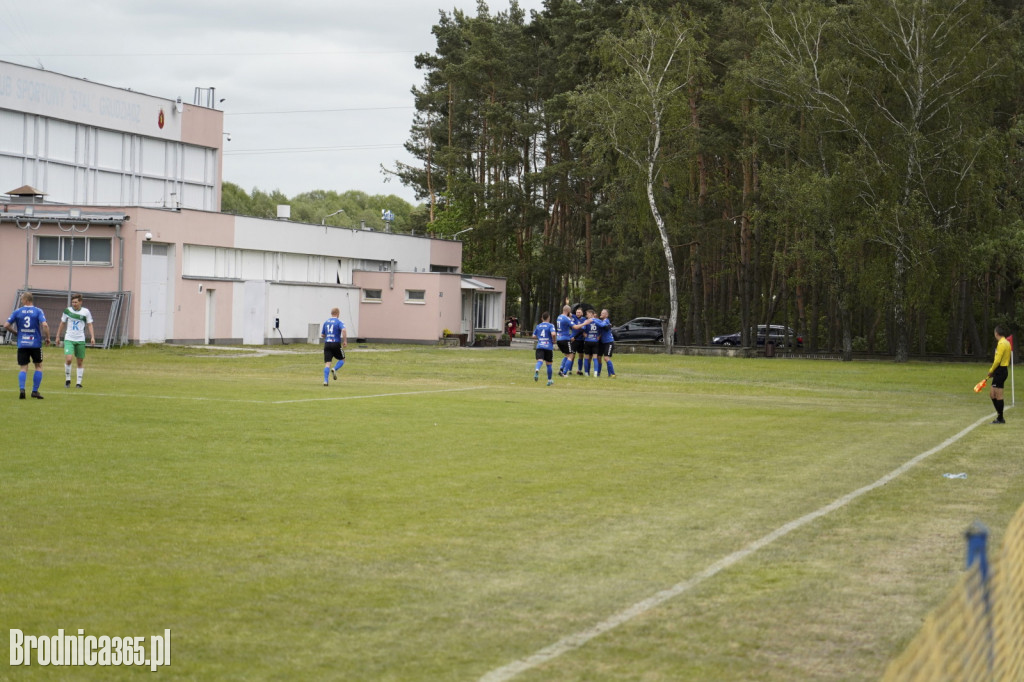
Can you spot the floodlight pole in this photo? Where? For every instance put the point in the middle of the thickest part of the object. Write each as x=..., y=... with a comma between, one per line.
x=324, y=221
x=28, y=241
x=71, y=259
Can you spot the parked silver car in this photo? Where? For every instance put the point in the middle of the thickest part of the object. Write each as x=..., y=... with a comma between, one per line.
x=638, y=330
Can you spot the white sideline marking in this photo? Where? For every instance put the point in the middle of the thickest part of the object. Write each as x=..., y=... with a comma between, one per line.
x=162, y=397
x=577, y=640
x=377, y=395
x=281, y=402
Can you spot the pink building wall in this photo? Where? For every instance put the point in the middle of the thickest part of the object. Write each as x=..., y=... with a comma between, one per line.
x=55, y=276
x=394, y=318
x=175, y=229
x=446, y=252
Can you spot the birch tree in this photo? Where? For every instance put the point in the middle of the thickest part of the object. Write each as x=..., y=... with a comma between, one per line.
x=639, y=110
x=902, y=81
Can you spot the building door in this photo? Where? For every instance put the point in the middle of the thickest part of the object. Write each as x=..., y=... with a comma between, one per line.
x=153, y=293
x=254, y=327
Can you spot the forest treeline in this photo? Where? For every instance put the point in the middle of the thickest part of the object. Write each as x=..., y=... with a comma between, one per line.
x=850, y=169
x=351, y=208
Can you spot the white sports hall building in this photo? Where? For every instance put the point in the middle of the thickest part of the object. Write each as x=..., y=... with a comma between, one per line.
x=116, y=195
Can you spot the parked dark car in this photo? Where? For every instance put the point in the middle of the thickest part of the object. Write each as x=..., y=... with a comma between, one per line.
x=777, y=333
x=641, y=329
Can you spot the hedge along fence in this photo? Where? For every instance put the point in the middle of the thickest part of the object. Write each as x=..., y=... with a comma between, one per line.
x=978, y=632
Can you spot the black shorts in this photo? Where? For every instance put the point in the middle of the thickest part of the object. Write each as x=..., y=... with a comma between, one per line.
x=26, y=355
x=591, y=347
x=333, y=350
x=565, y=347
x=545, y=354
x=999, y=377
x=607, y=349
x=577, y=345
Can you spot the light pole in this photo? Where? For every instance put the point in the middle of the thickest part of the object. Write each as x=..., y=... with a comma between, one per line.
x=324, y=221
x=468, y=229
x=71, y=258
x=28, y=227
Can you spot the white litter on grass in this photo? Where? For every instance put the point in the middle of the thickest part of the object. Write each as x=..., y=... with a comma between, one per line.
x=960, y=475
x=578, y=639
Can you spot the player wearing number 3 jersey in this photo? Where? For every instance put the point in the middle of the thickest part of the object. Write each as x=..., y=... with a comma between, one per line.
x=29, y=323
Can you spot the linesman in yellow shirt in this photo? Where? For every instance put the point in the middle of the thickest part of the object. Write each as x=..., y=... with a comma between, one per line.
x=999, y=371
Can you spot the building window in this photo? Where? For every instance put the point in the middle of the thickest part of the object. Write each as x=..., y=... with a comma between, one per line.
x=87, y=250
x=415, y=296
x=486, y=312
x=374, y=265
x=372, y=295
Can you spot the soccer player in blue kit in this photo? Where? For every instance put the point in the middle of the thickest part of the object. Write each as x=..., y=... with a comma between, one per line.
x=577, y=341
x=29, y=323
x=606, y=344
x=591, y=329
x=564, y=334
x=545, y=335
x=335, y=338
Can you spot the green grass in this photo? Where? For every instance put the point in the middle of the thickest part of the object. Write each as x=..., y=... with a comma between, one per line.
x=435, y=514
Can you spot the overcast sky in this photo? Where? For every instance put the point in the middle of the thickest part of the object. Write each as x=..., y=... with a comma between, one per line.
x=315, y=92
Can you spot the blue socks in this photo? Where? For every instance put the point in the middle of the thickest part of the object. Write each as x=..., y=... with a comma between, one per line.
x=327, y=370
x=611, y=370
x=37, y=379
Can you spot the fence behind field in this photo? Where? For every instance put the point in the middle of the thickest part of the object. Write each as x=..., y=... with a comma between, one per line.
x=109, y=311
x=978, y=631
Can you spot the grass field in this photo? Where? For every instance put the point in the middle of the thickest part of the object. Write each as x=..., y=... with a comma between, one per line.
x=436, y=515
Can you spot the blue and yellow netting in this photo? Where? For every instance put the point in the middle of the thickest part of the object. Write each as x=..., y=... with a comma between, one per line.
x=978, y=632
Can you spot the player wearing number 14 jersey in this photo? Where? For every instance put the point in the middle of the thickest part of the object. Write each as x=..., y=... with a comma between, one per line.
x=335, y=338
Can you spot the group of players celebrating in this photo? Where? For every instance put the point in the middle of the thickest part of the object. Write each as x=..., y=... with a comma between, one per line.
x=584, y=338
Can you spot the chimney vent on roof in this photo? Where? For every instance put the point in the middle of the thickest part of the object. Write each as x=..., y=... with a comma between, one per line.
x=26, y=194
